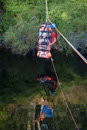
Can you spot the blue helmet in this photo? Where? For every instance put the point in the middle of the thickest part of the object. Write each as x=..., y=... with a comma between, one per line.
x=53, y=26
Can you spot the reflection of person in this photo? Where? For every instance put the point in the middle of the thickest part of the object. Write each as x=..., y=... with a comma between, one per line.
x=46, y=110
x=48, y=84
x=45, y=120
x=53, y=85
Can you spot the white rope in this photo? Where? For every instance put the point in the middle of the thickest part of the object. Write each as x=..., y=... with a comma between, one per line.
x=47, y=16
x=81, y=56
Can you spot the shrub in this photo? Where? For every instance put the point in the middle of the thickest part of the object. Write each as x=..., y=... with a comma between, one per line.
x=22, y=37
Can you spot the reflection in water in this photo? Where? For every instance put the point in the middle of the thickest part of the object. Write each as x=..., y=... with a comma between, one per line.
x=44, y=118
x=18, y=86
x=48, y=83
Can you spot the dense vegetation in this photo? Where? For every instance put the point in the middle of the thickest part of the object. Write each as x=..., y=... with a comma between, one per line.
x=22, y=18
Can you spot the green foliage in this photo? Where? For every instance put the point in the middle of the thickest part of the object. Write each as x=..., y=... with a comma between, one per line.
x=13, y=10
x=3, y=112
x=41, y=12
x=64, y=45
x=62, y=118
x=69, y=15
x=22, y=37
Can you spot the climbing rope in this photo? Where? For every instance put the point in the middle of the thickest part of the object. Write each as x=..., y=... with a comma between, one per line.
x=55, y=69
x=63, y=94
x=81, y=56
x=47, y=15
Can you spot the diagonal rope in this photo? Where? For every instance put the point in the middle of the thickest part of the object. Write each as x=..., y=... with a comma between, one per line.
x=63, y=94
x=81, y=56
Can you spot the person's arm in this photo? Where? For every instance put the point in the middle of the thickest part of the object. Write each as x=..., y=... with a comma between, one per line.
x=52, y=42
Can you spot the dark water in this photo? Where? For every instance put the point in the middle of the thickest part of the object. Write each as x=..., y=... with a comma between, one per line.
x=18, y=85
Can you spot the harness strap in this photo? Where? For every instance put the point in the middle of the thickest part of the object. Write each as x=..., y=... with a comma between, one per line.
x=42, y=50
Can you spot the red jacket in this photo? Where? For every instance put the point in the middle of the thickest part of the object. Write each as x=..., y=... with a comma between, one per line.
x=54, y=35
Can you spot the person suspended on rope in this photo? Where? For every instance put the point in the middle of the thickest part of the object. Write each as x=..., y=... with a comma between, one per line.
x=46, y=110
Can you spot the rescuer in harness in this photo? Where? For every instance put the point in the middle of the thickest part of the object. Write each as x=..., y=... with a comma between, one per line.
x=54, y=35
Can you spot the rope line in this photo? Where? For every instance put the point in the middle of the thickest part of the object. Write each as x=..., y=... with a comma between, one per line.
x=63, y=94
x=47, y=11
x=81, y=56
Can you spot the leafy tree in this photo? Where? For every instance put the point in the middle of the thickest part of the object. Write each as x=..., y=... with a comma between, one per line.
x=22, y=37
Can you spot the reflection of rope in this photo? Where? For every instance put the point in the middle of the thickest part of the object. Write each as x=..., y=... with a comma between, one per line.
x=63, y=94
x=38, y=124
